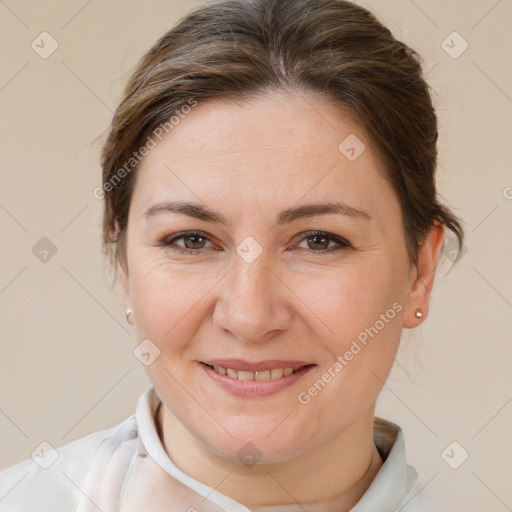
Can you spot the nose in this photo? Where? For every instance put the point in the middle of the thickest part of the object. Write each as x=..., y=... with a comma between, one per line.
x=253, y=301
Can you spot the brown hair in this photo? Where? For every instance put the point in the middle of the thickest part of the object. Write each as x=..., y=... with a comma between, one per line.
x=235, y=49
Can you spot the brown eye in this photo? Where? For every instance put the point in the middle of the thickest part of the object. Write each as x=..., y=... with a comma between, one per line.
x=318, y=241
x=193, y=242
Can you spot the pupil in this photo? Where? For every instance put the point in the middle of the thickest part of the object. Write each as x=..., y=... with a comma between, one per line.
x=192, y=238
x=316, y=237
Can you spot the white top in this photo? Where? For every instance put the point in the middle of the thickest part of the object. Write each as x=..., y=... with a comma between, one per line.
x=126, y=468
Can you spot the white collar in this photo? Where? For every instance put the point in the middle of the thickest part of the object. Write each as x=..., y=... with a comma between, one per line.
x=389, y=489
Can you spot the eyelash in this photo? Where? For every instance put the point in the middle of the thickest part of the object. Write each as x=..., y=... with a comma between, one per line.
x=168, y=242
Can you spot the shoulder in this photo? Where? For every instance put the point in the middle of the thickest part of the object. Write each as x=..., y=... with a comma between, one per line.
x=50, y=480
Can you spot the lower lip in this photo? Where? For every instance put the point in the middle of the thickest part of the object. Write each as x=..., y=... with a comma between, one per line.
x=255, y=388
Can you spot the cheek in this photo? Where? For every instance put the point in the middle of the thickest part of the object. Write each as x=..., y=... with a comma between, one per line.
x=166, y=297
x=363, y=309
x=360, y=313
x=348, y=301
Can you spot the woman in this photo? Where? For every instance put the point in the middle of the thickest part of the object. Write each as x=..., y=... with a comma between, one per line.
x=270, y=201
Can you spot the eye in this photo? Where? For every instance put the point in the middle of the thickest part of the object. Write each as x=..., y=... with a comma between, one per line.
x=194, y=241
x=319, y=241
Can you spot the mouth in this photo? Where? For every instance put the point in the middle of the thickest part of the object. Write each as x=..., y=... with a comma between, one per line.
x=271, y=374
x=255, y=380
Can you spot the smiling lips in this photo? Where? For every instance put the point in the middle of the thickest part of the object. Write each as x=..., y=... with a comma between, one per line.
x=274, y=373
x=265, y=370
x=255, y=380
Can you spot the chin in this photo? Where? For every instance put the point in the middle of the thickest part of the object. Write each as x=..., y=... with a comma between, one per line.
x=256, y=444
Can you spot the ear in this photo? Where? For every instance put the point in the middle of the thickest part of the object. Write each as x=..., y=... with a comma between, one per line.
x=422, y=277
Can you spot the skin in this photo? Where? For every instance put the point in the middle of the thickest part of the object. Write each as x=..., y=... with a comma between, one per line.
x=249, y=161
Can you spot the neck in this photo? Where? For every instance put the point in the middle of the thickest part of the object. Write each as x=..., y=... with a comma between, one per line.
x=335, y=473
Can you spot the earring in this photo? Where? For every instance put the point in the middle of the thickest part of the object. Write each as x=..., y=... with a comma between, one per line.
x=418, y=313
x=128, y=313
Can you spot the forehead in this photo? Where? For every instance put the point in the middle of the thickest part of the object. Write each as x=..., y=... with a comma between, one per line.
x=279, y=147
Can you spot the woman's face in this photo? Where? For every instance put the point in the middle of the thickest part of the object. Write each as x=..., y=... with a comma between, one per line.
x=254, y=286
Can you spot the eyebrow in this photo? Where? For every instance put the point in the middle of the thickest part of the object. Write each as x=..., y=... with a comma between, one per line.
x=201, y=212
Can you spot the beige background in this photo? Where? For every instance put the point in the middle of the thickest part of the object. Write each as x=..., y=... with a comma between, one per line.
x=66, y=362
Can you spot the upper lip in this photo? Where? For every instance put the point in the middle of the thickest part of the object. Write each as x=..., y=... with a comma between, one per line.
x=241, y=364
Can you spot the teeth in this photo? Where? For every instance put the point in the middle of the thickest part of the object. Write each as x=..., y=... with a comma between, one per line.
x=274, y=373
x=220, y=370
x=263, y=375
